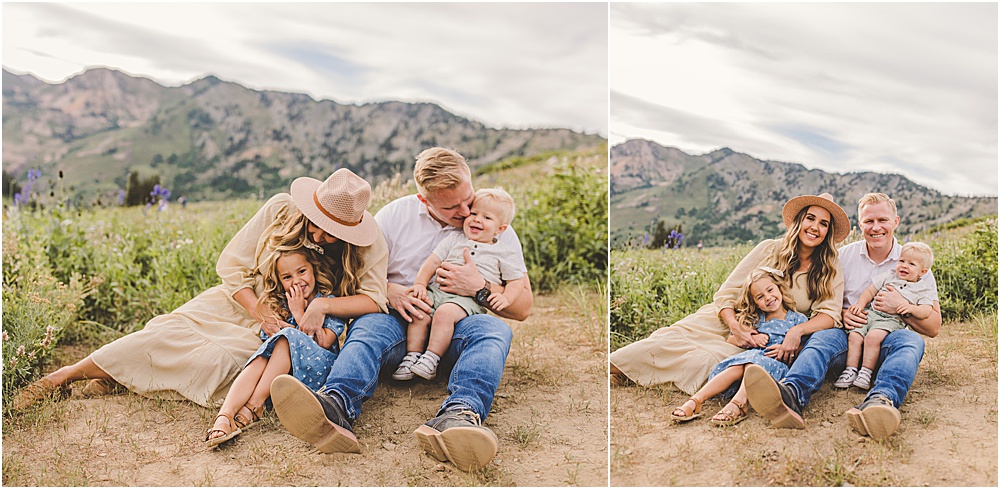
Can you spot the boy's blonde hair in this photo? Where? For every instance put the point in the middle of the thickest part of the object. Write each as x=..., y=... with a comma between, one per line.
x=875, y=198
x=498, y=197
x=440, y=168
x=924, y=253
x=746, y=309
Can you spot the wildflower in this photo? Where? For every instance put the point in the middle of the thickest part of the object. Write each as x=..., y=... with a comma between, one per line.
x=121, y=196
x=20, y=351
x=3, y=336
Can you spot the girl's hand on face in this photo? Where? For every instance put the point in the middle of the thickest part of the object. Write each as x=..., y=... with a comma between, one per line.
x=297, y=302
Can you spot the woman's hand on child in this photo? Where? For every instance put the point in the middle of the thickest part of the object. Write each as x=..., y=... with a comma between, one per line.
x=312, y=320
x=786, y=351
x=743, y=339
x=498, y=301
x=271, y=327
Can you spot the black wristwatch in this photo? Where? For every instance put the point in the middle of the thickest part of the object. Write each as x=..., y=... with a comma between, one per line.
x=483, y=294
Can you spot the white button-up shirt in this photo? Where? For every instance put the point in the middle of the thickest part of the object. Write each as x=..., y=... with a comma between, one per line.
x=412, y=234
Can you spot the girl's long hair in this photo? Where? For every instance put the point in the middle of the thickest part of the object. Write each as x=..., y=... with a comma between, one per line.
x=824, y=265
x=272, y=303
x=339, y=263
x=747, y=311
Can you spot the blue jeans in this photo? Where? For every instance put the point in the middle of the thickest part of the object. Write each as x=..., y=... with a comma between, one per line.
x=377, y=342
x=825, y=355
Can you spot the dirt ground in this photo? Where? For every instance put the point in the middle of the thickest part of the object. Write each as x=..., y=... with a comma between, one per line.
x=550, y=416
x=948, y=436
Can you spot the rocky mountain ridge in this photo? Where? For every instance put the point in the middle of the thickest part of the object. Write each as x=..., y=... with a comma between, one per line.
x=724, y=196
x=212, y=139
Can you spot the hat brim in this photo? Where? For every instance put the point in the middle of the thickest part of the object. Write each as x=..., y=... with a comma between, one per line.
x=361, y=234
x=842, y=224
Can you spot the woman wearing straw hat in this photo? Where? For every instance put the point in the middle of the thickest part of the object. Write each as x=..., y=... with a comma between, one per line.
x=197, y=350
x=685, y=352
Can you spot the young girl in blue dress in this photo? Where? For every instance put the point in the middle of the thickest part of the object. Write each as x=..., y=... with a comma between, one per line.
x=764, y=305
x=291, y=282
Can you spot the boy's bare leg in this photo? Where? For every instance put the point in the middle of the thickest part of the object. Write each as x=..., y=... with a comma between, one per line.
x=873, y=343
x=443, y=327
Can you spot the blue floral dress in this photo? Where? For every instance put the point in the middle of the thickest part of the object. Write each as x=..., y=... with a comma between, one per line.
x=775, y=329
x=311, y=363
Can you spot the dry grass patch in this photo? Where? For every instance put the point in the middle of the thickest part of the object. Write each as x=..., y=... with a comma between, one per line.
x=947, y=437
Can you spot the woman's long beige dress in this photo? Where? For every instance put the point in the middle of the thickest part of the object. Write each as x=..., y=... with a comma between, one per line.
x=684, y=353
x=196, y=351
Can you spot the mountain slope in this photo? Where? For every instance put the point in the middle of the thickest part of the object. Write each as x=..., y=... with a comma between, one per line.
x=211, y=139
x=723, y=197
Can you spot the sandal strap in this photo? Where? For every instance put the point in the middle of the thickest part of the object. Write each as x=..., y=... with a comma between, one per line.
x=213, y=429
x=255, y=414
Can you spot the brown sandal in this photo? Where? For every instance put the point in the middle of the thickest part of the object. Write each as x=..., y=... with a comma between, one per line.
x=255, y=413
x=226, y=436
x=101, y=387
x=36, y=391
x=681, y=414
x=726, y=417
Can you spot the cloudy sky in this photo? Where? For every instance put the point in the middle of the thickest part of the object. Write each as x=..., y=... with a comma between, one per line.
x=901, y=88
x=506, y=65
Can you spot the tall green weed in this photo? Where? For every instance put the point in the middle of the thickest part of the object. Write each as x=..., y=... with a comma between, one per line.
x=965, y=269
x=38, y=310
x=562, y=222
x=651, y=289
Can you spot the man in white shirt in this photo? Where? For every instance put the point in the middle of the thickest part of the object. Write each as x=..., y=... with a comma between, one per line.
x=412, y=226
x=826, y=351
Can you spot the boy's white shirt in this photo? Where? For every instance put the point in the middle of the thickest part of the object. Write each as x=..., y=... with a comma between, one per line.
x=412, y=234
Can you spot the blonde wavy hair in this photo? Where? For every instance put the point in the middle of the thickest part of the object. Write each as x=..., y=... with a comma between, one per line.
x=747, y=311
x=272, y=303
x=819, y=278
x=339, y=263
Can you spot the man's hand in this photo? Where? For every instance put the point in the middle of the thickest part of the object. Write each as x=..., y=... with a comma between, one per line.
x=852, y=320
x=408, y=307
x=888, y=301
x=462, y=280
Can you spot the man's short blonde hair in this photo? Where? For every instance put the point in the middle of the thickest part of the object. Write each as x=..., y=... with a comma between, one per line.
x=924, y=253
x=875, y=198
x=500, y=200
x=440, y=168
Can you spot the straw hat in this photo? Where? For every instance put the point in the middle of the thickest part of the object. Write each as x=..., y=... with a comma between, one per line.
x=338, y=206
x=841, y=224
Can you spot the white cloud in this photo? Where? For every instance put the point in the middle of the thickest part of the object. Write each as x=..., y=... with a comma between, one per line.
x=907, y=88
x=510, y=65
